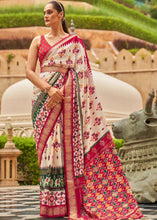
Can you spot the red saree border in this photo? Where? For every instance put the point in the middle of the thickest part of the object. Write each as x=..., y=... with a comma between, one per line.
x=47, y=129
x=98, y=148
x=73, y=185
x=52, y=212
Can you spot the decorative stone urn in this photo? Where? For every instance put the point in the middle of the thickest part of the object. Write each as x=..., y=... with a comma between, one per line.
x=139, y=154
x=8, y=161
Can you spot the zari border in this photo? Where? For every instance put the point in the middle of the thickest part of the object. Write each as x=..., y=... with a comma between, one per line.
x=52, y=212
x=70, y=183
x=47, y=129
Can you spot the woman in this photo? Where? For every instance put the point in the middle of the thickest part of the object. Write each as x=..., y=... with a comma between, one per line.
x=81, y=174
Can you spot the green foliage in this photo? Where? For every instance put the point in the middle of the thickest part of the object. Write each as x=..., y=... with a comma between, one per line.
x=112, y=23
x=153, y=12
x=118, y=143
x=3, y=140
x=131, y=44
x=153, y=2
x=130, y=2
x=127, y=2
x=27, y=161
x=108, y=15
x=84, y=22
x=21, y=9
x=119, y=10
x=134, y=51
x=10, y=57
x=21, y=20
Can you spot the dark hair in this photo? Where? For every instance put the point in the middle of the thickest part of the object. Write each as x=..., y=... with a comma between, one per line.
x=59, y=7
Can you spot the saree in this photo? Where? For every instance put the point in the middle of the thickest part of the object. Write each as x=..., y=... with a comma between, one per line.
x=81, y=175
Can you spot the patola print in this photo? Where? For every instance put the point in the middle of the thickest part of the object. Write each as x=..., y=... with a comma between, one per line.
x=81, y=174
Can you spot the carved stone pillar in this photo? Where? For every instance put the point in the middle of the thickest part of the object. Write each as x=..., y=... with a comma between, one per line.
x=8, y=160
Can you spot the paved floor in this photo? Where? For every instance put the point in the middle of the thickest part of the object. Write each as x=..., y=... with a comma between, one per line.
x=23, y=203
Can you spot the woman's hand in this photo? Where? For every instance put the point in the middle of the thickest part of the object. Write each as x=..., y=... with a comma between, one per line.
x=55, y=97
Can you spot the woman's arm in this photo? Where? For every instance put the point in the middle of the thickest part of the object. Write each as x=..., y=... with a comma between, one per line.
x=31, y=65
x=55, y=95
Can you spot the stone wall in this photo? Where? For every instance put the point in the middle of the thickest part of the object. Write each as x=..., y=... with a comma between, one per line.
x=139, y=71
x=12, y=71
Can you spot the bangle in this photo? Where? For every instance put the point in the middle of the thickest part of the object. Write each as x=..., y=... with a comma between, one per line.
x=46, y=90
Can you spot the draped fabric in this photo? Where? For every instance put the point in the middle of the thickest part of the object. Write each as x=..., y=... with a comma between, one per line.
x=80, y=173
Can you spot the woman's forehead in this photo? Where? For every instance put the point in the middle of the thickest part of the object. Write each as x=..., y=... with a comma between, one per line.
x=48, y=6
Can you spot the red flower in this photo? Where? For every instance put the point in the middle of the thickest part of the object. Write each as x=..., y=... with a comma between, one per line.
x=86, y=134
x=99, y=107
x=95, y=136
x=79, y=61
x=97, y=121
x=86, y=73
x=61, y=53
x=85, y=89
x=69, y=61
x=91, y=90
x=90, y=105
x=83, y=104
x=76, y=50
x=80, y=74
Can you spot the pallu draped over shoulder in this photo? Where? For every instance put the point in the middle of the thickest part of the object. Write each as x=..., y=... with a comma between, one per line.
x=81, y=175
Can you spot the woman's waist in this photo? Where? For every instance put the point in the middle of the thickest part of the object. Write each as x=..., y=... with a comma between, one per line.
x=54, y=69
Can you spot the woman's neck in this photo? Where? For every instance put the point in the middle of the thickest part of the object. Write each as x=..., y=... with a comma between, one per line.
x=57, y=31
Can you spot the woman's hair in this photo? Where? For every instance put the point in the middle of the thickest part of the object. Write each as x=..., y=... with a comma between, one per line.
x=59, y=7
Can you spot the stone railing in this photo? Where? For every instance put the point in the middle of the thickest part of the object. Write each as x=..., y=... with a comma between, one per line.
x=140, y=70
x=22, y=125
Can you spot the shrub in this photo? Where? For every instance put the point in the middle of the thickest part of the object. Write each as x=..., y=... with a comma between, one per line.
x=127, y=13
x=3, y=140
x=134, y=51
x=117, y=17
x=126, y=2
x=27, y=161
x=84, y=22
x=21, y=9
x=21, y=20
x=131, y=44
x=118, y=143
x=112, y=23
x=153, y=12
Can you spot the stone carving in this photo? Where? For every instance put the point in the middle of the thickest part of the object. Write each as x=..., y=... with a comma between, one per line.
x=139, y=154
x=8, y=159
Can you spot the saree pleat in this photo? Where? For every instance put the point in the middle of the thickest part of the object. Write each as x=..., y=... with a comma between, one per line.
x=80, y=172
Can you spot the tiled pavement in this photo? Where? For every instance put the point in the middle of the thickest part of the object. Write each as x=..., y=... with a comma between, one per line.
x=22, y=203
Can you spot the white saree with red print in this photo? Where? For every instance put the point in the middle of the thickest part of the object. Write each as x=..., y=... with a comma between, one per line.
x=81, y=175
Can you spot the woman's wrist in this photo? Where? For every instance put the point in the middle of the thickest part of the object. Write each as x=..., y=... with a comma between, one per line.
x=47, y=89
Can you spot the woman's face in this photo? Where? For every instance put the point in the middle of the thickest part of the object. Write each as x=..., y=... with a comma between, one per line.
x=51, y=15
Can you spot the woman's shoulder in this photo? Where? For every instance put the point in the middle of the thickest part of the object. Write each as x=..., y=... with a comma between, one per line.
x=36, y=40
